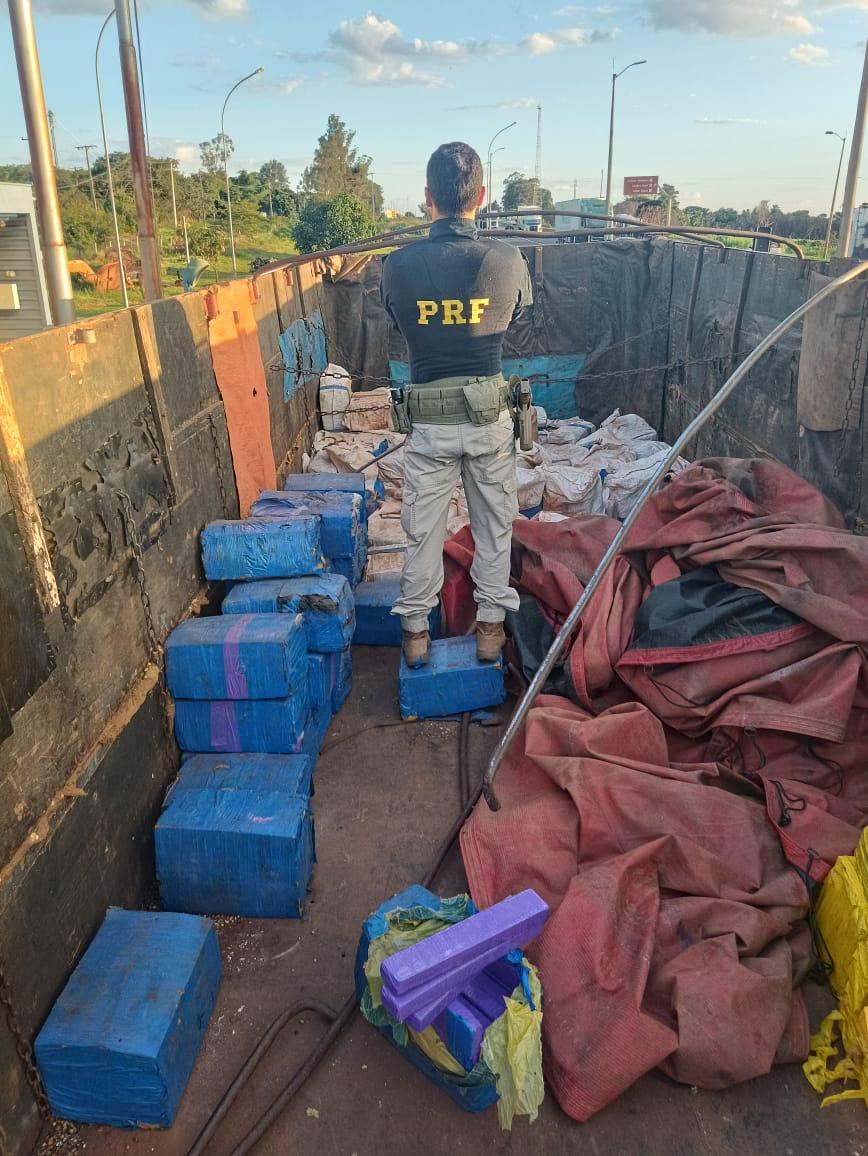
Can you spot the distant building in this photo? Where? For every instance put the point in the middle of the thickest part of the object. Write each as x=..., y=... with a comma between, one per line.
x=859, y=233
x=23, y=297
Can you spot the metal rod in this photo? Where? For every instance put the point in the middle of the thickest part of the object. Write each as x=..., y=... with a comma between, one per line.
x=607, y=561
x=490, y=154
x=249, y=76
x=843, y=140
x=846, y=227
x=24, y=503
x=174, y=202
x=122, y=272
x=615, y=76
x=52, y=129
x=57, y=277
x=149, y=250
x=186, y=240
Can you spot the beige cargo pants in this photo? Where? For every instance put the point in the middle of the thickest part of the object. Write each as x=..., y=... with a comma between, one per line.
x=435, y=457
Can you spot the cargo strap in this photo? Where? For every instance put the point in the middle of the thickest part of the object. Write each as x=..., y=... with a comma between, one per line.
x=442, y=402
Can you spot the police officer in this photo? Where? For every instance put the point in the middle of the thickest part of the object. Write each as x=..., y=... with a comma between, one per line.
x=453, y=297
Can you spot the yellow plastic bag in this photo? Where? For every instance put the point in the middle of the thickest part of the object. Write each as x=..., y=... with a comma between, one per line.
x=512, y=1048
x=842, y=919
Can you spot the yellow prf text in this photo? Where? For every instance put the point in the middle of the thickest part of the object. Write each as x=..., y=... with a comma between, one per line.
x=452, y=312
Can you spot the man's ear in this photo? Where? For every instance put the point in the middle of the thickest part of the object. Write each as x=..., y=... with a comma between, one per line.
x=429, y=203
x=481, y=199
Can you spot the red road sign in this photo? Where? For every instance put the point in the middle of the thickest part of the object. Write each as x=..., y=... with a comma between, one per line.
x=641, y=186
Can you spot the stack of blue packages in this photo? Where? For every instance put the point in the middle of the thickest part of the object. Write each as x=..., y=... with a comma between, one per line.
x=325, y=602
x=329, y=483
x=240, y=683
x=376, y=625
x=344, y=527
x=119, y=1044
x=236, y=836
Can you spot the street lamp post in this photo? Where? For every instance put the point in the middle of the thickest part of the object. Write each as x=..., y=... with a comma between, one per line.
x=249, y=76
x=172, y=164
x=615, y=76
x=490, y=154
x=122, y=273
x=843, y=141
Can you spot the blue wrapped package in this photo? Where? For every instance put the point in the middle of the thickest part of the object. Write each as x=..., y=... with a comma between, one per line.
x=241, y=852
x=342, y=677
x=376, y=625
x=268, y=725
x=119, y=1044
x=318, y=722
x=239, y=656
x=325, y=602
x=328, y=483
x=319, y=673
x=289, y=774
x=263, y=547
x=453, y=681
x=352, y=568
x=342, y=522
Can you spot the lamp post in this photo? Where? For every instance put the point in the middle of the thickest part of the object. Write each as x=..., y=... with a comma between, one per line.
x=843, y=141
x=249, y=76
x=615, y=76
x=122, y=273
x=490, y=154
x=172, y=164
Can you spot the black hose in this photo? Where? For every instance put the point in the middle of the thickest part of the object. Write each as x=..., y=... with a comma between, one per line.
x=252, y=1062
x=469, y=800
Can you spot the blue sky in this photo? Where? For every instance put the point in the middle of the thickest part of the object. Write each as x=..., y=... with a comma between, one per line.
x=731, y=106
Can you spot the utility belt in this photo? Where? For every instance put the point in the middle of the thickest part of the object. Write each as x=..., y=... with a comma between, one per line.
x=450, y=401
x=457, y=400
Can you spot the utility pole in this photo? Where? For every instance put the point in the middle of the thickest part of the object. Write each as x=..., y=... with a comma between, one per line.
x=843, y=140
x=86, y=150
x=41, y=161
x=615, y=76
x=537, y=171
x=148, y=247
x=186, y=240
x=575, y=188
x=853, y=165
x=172, y=182
x=51, y=129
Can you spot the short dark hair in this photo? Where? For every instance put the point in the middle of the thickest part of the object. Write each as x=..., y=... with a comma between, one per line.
x=454, y=178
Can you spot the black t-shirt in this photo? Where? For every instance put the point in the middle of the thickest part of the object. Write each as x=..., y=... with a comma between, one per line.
x=453, y=297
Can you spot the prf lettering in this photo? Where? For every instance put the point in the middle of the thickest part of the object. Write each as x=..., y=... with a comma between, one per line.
x=452, y=312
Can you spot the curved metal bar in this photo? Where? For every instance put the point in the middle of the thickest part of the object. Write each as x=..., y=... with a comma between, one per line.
x=607, y=561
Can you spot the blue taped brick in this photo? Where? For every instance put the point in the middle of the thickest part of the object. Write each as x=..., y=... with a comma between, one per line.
x=241, y=656
x=342, y=677
x=119, y=1044
x=343, y=527
x=319, y=676
x=269, y=725
x=474, y=1098
x=263, y=548
x=241, y=852
x=376, y=625
x=351, y=567
x=461, y=1028
x=453, y=681
x=325, y=602
x=470, y=945
x=328, y=483
x=290, y=774
x=318, y=723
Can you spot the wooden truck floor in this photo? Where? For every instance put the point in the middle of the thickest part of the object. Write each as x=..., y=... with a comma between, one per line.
x=383, y=803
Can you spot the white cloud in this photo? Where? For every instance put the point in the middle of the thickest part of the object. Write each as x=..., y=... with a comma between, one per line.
x=569, y=10
x=212, y=9
x=539, y=43
x=809, y=54
x=285, y=87
x=728, y=120
x=519, y=102
x=223, y=9
x=735, y=18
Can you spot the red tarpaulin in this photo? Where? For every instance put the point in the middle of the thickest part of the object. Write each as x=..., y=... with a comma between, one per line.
x=672, y=814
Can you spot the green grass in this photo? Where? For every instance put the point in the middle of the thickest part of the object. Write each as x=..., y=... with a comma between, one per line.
x=91, y=304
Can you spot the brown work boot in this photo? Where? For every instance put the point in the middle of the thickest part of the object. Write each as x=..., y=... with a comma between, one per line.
x=416, y=645
x=490, y=640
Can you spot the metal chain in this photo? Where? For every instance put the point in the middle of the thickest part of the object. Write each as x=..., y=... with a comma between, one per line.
x=851, y=391
x=221, y=480
x=24, y=1050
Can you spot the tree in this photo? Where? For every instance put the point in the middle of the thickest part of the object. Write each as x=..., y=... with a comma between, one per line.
x=274, y=173
x=211, y=152
x=668, y=197
x=724, y=218
x=761, y=215
x=85, y=228
x=338, y=167
x=326, y=224
x=280, y=203
x=695, y=215
x=205, y=240
x=521, y=190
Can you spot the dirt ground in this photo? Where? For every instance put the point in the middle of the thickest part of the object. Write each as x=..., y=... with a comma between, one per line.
x=383, y=802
